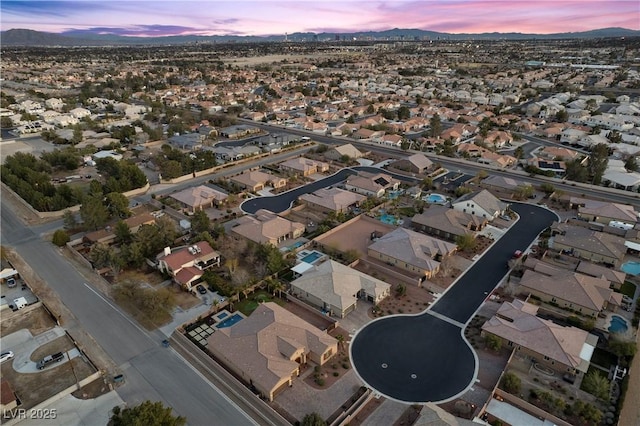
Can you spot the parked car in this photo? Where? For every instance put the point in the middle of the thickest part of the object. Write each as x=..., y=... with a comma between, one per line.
x=201, y=289
x=505, y=217
x=6, y=356
x=49, y=359
x=517, y=254
x=11, y=282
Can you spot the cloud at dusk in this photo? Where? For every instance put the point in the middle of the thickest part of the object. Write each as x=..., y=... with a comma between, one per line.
x=262, y=17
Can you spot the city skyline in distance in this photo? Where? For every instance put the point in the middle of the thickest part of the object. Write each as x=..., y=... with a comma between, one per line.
x=267, y=18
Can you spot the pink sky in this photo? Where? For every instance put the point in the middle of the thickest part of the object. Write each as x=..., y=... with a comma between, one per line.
x=260, y=17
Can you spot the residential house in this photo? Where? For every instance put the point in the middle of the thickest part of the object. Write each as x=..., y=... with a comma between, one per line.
x=411, y=251
x=615, y=278
x=446, y=223
x=186, y=265
x=367, y=134
x=336, y=288
x=558, y=153
x=187, y=141
x=588, y=244
x=199, y=198
x=470, y=150
x=371, y=184
x=267, y=228
x=569, y=290
x=8, y=398
x=560, y=348
x=482, y=203
x=416, y=163
x=238, y=131
x=303, y=166
x=343, y=150
x=332, y=200
x=496, y=160
x=273, y=344
x=559, y=168
x=498, y=138
x=257, y=180
x=604, y=212
x=108, y=235
x=500, y=183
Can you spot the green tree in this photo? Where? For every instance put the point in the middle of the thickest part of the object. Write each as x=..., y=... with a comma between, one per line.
x=511, y=383
x=562, y=116
x=547, y=188
x=403, y=113
x=60, y=237
x=466, y=242
x=598, y=161
x=631, y=164
x=596, y=384
x=273, y=258
x=117, y=205
x=576, y=171
x=200, y=222
x=614, y=136
x=77, y=135
x=309, y=111
x=435, y=126
x=524, y=191
x=69, y=220
x=94, y=213
x=622, y=348
x=518, y=153
x=123, y=233
x=147, y=413
x=493, y=342
x=313, y=419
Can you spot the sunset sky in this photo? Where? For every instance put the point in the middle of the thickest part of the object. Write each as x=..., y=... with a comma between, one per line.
x=262, y=17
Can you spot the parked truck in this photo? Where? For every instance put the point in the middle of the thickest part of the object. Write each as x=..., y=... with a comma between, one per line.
x=49, y=359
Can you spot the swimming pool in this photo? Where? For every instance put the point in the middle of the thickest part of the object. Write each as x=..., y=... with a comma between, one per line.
x=618, y=324
x=631, y=268
x=222, y=315
x=229, y=321
x=312, y=257
x=435, y=199
x=388, y=219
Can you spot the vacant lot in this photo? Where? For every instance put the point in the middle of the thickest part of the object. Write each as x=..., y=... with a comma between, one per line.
x=35, y=320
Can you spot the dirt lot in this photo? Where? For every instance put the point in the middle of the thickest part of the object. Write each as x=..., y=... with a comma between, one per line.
x=61, y=344
x=35, y=320
x=415, y=300
x=355, y=235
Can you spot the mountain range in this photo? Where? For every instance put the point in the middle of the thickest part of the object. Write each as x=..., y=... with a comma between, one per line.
x=25, y=37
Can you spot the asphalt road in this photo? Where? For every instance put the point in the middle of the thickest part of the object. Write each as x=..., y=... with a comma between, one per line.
x=425, y=357
x=281, y=202
x=151, y=371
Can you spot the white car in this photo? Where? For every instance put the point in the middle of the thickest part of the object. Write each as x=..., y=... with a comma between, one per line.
x=6, y=356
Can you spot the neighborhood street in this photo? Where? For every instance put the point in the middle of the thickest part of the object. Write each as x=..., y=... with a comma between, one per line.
x=151, y=371
x=425, y=358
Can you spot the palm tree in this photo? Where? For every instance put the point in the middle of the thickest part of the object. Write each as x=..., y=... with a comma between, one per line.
x=215, y=304
x=340, y=339
x=278, y=286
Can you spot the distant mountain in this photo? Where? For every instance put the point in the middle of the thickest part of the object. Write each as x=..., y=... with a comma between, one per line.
x=23, y=37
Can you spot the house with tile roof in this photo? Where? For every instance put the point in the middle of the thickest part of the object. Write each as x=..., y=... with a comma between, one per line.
x=303, y=166
x=187, y=264
x=273, y=344
x=587, y=244
x=107, y=235
x=562, y=349
x=446, y=223
x=336, y=288
x=332, y=200
x=416, y=163
x=199, y=198
x=589, y=296
x=337, y=152
x=604, y=211
x=267, y=228
x=496, y=160
x=257, y=180
x=482, y=203
x=412, y=251
x=371, y=184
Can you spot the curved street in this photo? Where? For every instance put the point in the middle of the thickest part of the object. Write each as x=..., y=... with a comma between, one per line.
x=425, y=358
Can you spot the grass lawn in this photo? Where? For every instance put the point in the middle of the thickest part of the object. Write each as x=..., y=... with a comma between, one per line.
x=628, y=289
x=248, y=305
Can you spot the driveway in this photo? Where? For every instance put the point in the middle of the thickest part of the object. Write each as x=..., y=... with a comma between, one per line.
x=425, y=358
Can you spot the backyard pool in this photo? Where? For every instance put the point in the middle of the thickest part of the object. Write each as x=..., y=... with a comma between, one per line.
x=388, y=219
x=435, y=199
x=618, y=324
x=230, y=321
x=392, y=195
x=312, y=257
x=631, y=268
